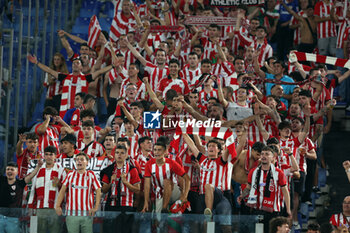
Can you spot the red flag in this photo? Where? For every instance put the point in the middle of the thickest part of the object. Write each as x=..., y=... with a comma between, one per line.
x=94, y=31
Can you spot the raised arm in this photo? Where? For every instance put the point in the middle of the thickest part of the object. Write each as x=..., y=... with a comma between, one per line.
x=65, y=43
x=29, y=177
x=127, y=113
x=306, y=128
x=256, y=66
x=290, y=11
x=19, y=146
x=191, y=111
x=261, y=128
x=100, y=71
x=191, y=144
x=34, y=60
x=153, y=95
x=198, y=143
x=344, y=76
x=221, y=94
x=136, y=54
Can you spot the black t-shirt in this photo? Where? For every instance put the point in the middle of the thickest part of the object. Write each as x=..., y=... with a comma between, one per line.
x=62, y=77
x=11, y=195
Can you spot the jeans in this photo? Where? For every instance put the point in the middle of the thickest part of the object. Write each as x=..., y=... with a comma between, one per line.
x=48, y=220
x=75, y=223
x=9, y=224
x=326, y=46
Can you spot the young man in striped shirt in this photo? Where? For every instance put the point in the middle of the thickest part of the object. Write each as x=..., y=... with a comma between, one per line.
x=44, y=191
x=158, y=175
x=88, y=144
x=80, y=185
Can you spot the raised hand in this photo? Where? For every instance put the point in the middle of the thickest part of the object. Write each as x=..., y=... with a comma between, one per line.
x=32, y=59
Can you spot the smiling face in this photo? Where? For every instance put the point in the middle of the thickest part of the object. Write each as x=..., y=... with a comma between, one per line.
x=160, y=57
x=174, y=69
x=11, y=172
x=296, y=125
x=239, y=66
x=294, y=110
x=278, y=69
x=285, y=133
x=241, y=94
x=159, y=152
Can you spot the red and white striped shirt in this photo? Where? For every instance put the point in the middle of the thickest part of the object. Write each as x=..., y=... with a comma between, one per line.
x=156, y=74
x=204, y=97
x=159, y=173
x=210, y=48
x=341, y=32
x=339, y=220
x=54, y=89
x=211, y=172
x=23, y=161
x=49, y=138
x=128, y=58
x=300, y=158
x=179, y=85
x=327, y=28
x=93, y=149
x=43, y=192
x=294, y=21
x=78, y=132
x=191, y=171
x=80, y=196
x=134, y=145
x=72, y=84
x=153, y=41
x=140, y=92
x=265, y=49
x=126, y=195
x=121, y=24
x=254, y=133
x=191, y=76
x=292, y=143
x=231, y=81
x=142, y=160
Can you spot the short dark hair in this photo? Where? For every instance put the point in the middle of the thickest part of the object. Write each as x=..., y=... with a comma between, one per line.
x=164, y=139
x=218, y=144
x=199, y=46
x=160, y=144
x=313, y=70
x=84, y=45
x=258, y=146
x=214, y=98
x=155, y=21
x=134, y=64
x=124, y=139
x=193, y=54
x=12, y=164
x=206, y=61
x=313, y=226
x=121, y=147
x=277, y=222
x=81, y=94
x=50, y=111
x=89, y=97
x=271, y=141
x=170, y=94
x=306, y=93
x=143, y=139
x=137, y=104
x=262, y=27
x=283, y=125
x=237, y=58
x=322, y=66
x=215, y=26
x=174, y=61
x=32, y=136
x=281, y=63
x=50, y=149
x=160, y=50
x=82, y=154
x=301, y=120
x=243, y=7
x=87, y=113
x=88, y=123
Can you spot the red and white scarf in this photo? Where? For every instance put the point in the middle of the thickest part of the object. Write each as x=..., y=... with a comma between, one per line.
x=310, y=57
x=256, y=198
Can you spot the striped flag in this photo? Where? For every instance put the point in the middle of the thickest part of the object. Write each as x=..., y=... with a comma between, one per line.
x=94, y=31
x=300, y=56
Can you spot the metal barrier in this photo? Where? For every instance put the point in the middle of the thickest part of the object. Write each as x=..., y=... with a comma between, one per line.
x=135, y=222
x=17, y=39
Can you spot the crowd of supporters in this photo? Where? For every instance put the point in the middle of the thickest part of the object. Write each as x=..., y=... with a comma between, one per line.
x=266, y=114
